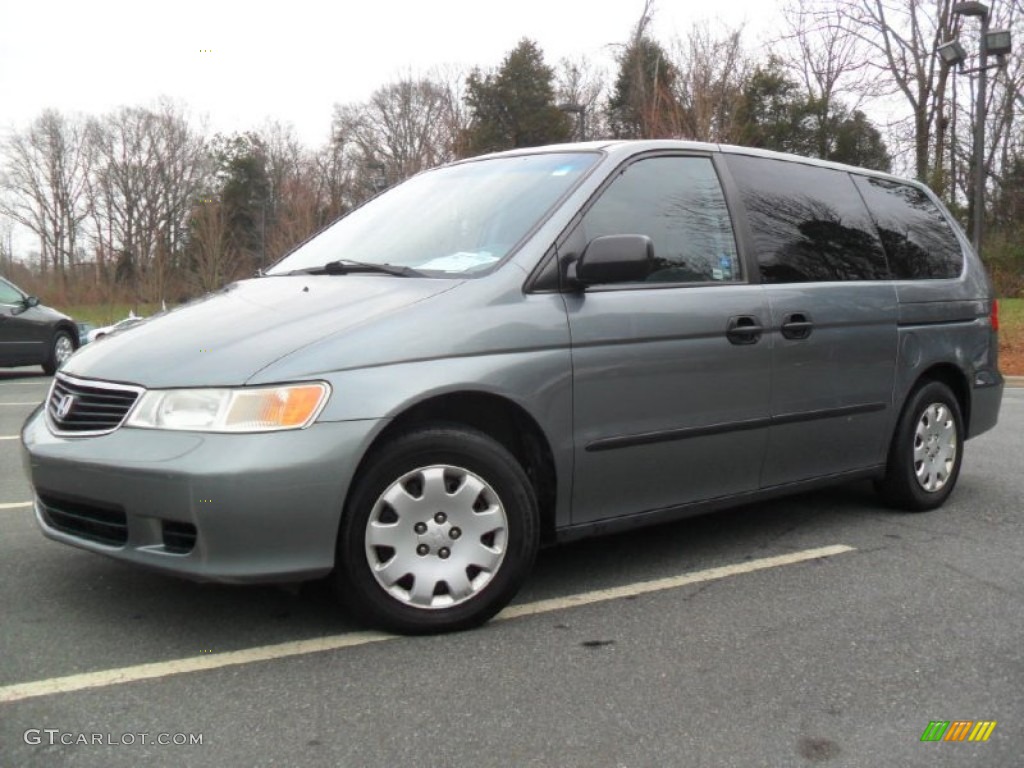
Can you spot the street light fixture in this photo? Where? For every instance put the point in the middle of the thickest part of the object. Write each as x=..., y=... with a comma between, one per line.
x=997, y=42
x=970, y=9
x=952, y=53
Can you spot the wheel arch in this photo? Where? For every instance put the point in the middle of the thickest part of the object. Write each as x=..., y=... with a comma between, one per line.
x=954, y=378
x=498, y=417
x=71, y=328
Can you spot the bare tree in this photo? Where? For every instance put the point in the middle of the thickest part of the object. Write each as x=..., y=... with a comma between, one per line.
x=43, y=180
x=6, y=246
x=902, y=36
x=149, y=167
x=830, y=60
x=181, y=172
x=333, y=177
x=712, y=71
x=211, y=261
x=580, y=86
x=298, y=214
x=457, y=115
x=404, y=128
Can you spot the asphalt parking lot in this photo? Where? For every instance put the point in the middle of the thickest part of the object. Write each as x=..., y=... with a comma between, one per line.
x=815, y=630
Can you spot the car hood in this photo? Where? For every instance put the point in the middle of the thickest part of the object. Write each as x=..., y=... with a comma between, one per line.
x=228, y=336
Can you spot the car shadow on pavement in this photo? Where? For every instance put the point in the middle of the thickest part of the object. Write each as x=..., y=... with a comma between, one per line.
x=28, y=375
x=105, y=597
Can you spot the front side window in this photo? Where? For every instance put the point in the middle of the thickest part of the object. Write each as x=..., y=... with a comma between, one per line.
x=678, y=203
x=9, y=294
x=918, y=239
x=809, y=223
x=456, y=220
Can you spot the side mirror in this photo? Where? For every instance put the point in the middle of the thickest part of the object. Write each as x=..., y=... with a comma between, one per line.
x=613, y=259
x=31, y=301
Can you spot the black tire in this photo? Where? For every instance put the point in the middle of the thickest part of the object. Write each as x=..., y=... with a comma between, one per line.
x=931, y=410
x=61, y=341
x=453, y=461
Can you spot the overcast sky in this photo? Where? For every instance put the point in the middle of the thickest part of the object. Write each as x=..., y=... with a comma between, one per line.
x=238, y=63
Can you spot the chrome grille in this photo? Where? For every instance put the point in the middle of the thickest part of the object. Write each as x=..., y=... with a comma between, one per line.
x=84, y=407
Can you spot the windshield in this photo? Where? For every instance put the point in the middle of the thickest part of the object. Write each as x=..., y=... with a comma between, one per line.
x=458, y=219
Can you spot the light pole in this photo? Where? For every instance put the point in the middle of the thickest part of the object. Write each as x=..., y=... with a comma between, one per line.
x=580, y=110
x=379, y=180
x=996, y=43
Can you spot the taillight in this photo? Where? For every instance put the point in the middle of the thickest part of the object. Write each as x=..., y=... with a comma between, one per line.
x=993, y=317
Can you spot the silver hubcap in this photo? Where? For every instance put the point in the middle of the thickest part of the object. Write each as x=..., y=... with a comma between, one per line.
x=436, y=536
x=62, y=349
x=934, y=447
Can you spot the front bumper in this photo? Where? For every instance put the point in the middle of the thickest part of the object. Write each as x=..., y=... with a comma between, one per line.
x=239, y=507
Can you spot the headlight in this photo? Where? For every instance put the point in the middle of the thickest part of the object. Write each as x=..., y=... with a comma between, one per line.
x=247, y=409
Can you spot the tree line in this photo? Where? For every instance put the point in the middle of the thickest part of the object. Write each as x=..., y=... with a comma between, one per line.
x=144, y=203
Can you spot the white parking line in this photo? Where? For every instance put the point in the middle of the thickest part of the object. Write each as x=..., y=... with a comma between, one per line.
x=160, y=669
x=34, y=402
x=16, y=505
x=8, y=437
x=672, y=582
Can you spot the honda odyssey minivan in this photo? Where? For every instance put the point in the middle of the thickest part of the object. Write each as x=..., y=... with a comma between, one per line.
x=526, y=348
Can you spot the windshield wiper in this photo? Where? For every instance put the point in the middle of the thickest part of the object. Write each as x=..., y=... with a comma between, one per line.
x=348, y=267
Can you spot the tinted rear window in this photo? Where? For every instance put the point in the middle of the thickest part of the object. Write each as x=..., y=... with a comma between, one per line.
x=918, y=240
x=809, y=223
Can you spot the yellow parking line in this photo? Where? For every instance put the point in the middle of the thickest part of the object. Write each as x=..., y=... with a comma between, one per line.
x=161, y=669
x=16, y=505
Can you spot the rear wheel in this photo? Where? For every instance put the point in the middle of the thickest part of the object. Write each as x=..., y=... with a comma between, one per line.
x=926, y=451
x=62, y=346
x=440, y=532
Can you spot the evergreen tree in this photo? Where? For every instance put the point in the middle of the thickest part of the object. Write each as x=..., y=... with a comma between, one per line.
x=858, y=142
x=515, y=105
x=244, y=191
x=775, y=113
x=643, y=103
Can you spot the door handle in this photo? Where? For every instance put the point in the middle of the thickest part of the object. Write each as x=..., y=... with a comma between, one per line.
x=797, y=326
x=744, y=329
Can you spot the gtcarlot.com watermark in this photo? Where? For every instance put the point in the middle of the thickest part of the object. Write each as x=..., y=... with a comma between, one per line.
x=54, y=736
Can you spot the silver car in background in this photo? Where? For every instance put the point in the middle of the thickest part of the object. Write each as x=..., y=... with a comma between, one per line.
x=527, y=348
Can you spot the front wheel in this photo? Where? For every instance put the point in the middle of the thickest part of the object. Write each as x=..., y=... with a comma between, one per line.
x=926, y=451
x=62, y=346
x=439, y=533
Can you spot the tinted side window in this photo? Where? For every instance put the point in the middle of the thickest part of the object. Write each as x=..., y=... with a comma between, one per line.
x=918, y=239
x=809, y=223
x=678, y=203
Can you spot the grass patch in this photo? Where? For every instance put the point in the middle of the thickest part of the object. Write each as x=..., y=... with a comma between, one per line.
x=1011, y=314
x=106, y=314
x=1011, y=336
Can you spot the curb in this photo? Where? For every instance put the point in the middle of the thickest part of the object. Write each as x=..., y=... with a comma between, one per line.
x=1014, y=381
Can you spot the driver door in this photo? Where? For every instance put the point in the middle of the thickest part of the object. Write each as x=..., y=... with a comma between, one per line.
x=669, y=406
x=18, y=342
